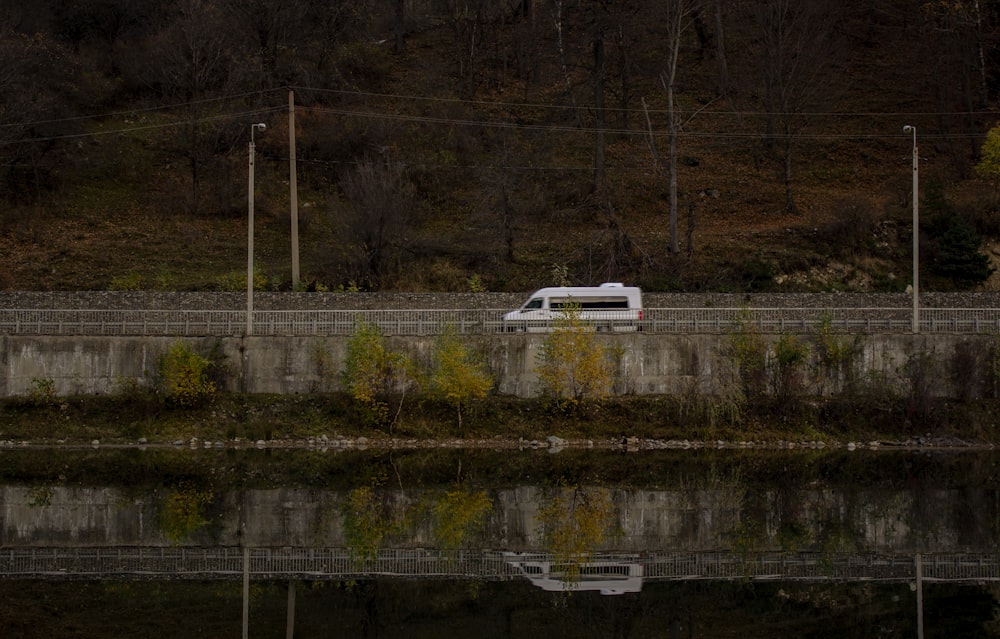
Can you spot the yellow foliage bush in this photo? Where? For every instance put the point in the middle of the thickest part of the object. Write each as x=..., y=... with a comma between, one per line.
x=573, y=367
x=184, y=377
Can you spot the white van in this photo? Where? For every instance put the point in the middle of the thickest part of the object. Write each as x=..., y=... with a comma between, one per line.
x=610, y=306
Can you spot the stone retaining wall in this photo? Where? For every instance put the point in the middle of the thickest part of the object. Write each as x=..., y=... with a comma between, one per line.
x=264, y=301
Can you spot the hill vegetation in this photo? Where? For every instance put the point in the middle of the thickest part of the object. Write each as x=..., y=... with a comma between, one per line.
x=496, y=144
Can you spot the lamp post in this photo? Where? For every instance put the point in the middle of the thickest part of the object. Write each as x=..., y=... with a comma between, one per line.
x=253, y=128
x=916, y=231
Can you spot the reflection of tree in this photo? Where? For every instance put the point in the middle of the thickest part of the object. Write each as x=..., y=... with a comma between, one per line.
x=713, y=496
x=457, y=515
x=182, y=513
x=369, y=521
x=574, y=524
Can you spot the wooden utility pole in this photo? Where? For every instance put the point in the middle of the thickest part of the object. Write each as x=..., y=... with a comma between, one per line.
x=294, y=190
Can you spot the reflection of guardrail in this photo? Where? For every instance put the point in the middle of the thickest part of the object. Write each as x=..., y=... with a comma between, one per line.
x=339, y=563
x=436, y=321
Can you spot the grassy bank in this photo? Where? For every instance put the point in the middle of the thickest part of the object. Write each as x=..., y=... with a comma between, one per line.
x=294, y=419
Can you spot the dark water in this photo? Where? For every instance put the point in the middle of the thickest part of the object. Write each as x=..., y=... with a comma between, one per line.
x=129, y=542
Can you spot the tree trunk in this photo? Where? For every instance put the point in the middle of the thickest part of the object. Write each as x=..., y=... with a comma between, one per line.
x=599, y=112
x=720, y=53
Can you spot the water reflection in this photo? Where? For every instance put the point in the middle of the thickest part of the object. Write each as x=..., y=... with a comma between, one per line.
x=670, y=533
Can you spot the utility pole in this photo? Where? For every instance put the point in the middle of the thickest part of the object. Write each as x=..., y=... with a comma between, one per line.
x=916, y=229
x=251, y=152
x=293, y=187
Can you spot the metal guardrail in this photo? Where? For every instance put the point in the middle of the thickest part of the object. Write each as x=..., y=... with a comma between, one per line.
x=194, y=323
x=340, y=563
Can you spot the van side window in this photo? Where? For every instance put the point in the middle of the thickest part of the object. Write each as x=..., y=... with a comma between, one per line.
x=533, y=304
x=584, y=304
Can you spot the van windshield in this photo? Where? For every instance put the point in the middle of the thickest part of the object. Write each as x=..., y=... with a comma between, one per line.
x=532, y=304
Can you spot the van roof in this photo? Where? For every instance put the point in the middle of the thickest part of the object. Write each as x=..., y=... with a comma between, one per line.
x=603, y=289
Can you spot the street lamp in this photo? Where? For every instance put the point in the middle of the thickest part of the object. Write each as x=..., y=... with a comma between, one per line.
x=253, y=128
x=916, y=231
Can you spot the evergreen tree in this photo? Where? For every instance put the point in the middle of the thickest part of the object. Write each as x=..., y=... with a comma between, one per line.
x=989, y=158
x=959, y=258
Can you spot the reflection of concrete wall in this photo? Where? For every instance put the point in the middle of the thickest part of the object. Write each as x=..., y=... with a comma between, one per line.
x=645, y=520
x=648, y=364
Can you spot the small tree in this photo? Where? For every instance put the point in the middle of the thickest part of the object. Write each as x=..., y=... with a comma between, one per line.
x=989, y=159
x=749, y=354
x=373, y=372
x=458, y=375
x=790, y=358
x=184, y=376
x=573, y=367
x=835, y=357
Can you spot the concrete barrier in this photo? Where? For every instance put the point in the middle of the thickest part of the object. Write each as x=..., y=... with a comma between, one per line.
x=643, y=364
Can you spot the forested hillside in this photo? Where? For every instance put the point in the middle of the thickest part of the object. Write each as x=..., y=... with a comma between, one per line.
x=727, y=145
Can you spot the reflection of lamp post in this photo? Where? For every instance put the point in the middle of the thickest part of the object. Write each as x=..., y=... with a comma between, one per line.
x=253, y=127
x=916, y=233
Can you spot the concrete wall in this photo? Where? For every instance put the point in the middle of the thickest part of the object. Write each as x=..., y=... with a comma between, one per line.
x=645, y=364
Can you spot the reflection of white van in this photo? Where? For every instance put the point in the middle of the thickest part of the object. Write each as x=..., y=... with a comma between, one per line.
x=610, y=306
x=607, y=577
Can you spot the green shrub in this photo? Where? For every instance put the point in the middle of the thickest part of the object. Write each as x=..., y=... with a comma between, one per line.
x=790, y=357
x=184, y=376
x=129, y=282
x=43, y=391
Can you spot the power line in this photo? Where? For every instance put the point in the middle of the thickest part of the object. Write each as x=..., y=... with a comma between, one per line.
x=570, y=107
x=136, y=111
x=495, y=124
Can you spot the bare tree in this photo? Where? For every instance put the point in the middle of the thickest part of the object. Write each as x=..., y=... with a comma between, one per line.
x=797, y=41
x=276, y=29
x=608, y=31
x=30, y=111
x=381, y=198
x=499, y=198
x=192, y=60
x=468, y=22
x=508, y=198
x=721, y=62
x=678, y=16
x=959, y=45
